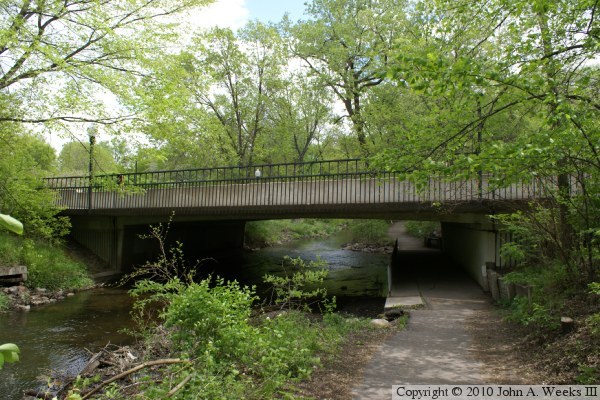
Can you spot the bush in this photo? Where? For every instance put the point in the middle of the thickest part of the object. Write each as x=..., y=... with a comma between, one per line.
x=299, y=285
x=228, y=352
x=526, y=313
x=47, y=264
x=268, y=233
x=421, y=229
x=374, y=232
x=211, y=319
x=550, y=291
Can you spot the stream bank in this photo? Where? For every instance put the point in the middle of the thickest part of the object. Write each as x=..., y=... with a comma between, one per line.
x=58, y=338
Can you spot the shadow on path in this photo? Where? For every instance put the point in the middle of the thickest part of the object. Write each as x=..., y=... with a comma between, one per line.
x=436, y=347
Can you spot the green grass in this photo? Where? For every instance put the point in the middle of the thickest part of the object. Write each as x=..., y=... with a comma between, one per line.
x=269, y=233
x=370, y=231
x=47, y=265
x=3, y=302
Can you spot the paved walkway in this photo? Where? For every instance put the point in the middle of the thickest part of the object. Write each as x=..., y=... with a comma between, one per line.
x=436, y=347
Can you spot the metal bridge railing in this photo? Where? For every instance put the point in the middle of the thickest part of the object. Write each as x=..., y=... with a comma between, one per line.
x=335, y=182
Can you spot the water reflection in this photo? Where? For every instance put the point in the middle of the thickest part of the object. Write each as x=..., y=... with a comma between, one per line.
x=54, y=338
x=350, y=273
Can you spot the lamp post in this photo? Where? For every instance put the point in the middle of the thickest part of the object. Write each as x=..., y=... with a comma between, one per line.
x=92, y=132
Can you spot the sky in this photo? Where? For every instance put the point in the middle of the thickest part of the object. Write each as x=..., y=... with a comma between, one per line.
x=273, y=10
x=236, y=13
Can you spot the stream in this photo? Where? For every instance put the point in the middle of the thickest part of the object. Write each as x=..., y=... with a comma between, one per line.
x=57, y=339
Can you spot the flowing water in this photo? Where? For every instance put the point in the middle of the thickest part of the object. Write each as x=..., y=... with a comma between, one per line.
x=58, y=338
x=53, y=339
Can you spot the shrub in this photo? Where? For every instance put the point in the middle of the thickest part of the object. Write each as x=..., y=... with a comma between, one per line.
x=526, y=313
x=421, y=229
x=299, y=285
x=213, y=319
x=373, y=231
x=550, y=290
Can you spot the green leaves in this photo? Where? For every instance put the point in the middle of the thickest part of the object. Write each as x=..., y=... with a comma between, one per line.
x=9, y=353
x=11, y=224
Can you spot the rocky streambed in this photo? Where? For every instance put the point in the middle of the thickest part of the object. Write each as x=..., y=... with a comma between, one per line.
x=22, y=298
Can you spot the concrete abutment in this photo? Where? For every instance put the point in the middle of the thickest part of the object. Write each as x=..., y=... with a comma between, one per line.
x=475, y=247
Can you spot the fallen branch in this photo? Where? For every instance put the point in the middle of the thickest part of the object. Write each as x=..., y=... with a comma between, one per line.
x=131, y=371
x=179, y=386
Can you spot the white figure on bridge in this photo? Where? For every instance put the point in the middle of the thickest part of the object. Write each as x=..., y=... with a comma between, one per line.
x=257, y=173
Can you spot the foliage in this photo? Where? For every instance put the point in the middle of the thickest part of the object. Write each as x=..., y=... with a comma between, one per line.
x=298, y=285
x=538, y=237
x=57, y=55
x=210, y=316
x=594, y=320
x=268, y=233
x=372, y=231
x=346, y=45
x=230, y=352
x=302, y=121
x=421, y=229
x=4, y=302
x=74, y=159
x=526, y=313
x=510, y=91
x=24, y=159
x=9, y=353
x=9, y=223
x=170, y=264
x=551, y=290
x=47, y=264
x=230, y=348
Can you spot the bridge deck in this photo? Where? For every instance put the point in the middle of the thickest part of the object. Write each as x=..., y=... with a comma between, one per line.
x=328, y=191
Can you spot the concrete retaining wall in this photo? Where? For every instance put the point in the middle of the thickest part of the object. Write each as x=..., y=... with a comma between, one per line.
x=471, y=247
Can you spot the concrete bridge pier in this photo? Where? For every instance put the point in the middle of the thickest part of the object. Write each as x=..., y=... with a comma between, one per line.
x=471, y=246
x=117, y=241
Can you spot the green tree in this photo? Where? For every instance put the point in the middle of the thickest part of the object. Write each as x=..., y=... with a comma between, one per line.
x=245, y=73
x=55, y=54
x=527, y=68
x=24, y=160
x=74, y=159
x=347, y=45
x=301, y=119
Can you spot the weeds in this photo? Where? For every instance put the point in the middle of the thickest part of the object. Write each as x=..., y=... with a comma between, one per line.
x=298, y=287
x=47, y=264
x=268, y=233
x=370, y=231
x=230, y=349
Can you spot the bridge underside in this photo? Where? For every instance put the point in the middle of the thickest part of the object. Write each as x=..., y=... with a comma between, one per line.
x=118, y=240
x=470, y=239
x=475, y=211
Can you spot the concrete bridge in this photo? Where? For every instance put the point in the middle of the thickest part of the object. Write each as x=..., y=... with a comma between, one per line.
x=211, y=205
